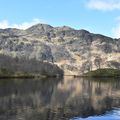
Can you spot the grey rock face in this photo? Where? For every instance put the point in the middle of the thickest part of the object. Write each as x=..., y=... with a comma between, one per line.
x=75, y=51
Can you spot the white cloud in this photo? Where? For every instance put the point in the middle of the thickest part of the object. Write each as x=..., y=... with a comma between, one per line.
x=5, y=24
x=103, y=5
x=117, y=18
x=116, y=30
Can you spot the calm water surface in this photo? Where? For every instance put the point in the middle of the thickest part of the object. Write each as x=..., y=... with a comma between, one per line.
x=60, y=99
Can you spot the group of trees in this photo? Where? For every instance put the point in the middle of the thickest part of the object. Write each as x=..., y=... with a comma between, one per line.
x=28, y=66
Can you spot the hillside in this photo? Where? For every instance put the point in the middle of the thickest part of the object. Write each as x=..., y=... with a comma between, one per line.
x=75, y=51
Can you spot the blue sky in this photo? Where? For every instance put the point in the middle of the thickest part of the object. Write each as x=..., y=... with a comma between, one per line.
x=97, y=16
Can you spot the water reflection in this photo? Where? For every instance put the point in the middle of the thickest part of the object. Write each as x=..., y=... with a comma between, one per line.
x=54, y=99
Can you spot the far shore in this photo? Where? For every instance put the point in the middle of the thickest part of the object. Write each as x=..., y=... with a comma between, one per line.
x=99, y=73
x=26, y=76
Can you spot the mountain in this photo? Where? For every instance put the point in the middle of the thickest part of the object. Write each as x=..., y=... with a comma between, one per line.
x=74, y=51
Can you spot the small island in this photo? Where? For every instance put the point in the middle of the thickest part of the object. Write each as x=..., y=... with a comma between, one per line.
x=105, y=72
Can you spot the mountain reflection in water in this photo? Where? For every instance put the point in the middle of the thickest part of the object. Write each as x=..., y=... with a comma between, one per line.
x=55, y=99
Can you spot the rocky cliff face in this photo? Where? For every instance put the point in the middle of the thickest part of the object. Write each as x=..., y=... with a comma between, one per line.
x=75, y=51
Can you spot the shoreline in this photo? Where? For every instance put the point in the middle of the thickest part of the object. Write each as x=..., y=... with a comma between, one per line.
x=74, y=76
x=99, y=73
x=27, y=77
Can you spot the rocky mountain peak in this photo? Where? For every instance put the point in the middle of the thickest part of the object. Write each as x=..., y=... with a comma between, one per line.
x=64, y=28
x=40, y=28
x=84, y=31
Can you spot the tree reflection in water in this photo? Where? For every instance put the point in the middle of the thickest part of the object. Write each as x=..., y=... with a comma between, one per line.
x=55, y=99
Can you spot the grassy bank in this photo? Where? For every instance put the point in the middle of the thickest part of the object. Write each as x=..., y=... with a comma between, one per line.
x=107, y=72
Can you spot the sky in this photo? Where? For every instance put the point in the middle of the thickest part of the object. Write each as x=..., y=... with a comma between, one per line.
x=96, y=16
